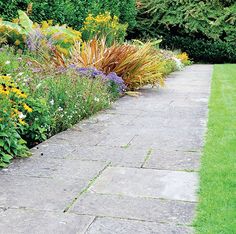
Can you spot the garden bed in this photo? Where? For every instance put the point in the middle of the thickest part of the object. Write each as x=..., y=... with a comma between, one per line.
x=53, y=76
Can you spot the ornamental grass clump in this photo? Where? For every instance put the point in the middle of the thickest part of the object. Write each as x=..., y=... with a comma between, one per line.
x=137, y=65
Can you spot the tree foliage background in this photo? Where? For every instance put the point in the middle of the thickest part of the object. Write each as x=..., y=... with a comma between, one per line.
x=70, y=12
x=208, y=25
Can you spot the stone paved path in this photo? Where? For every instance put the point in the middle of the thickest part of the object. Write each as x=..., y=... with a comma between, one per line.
x=131, y=169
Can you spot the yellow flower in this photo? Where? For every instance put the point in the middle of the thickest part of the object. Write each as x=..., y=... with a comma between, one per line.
x=22, y=122
x=22, y=95
x=4, y=92
x=6, y=78
x=19, y=93
x=45, y=25
x=16, y=21
x=50, y=22
x=90, y=17
x=183, y=57
x=115, y=18
x=17, y=42
x=27, y=108
x=35, y=25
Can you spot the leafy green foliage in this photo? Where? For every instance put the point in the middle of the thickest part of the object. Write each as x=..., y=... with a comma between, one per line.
x=202, y=50
x=25, y=21
x=24, y=33
x=210, y=21
x=209, y=18
x=70, y=12
x=38, y=121
x=72, y=98
x=11, y=143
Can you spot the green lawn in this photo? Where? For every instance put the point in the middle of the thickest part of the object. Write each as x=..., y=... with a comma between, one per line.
x=217, y=195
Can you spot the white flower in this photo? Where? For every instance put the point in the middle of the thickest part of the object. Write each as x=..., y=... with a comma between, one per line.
x=21, y=73
x=7, y=62
x=60, y=109
x=38, y=85
x=52, y=102
x=178, y=63
x=96, y=99
x=21, y=115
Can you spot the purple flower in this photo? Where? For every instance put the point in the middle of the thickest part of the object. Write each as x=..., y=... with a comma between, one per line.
x=92, y=73
x=72, y=66
x=117, y=80
x=35, y=40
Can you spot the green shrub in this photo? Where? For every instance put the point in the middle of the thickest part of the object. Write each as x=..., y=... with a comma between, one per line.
x=12, y=102
x=70, y=12
x=11, y=143
x=205, y=29
x=72, y=98
x=38, y=121
x=202, y=50
x=211, y=19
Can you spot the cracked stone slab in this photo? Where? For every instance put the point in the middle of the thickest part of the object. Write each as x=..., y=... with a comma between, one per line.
x=174, y=185
x=124, y=226
x=39, y=193
x=172, y=122
x=107, y=119
x=56, y=168
x=173, y=160
x=118, y=156
x=77, y=137
x=182, y=139
x=171, y=109
x=147, y=209
x=18, y=221
x=52, y=149
x=46, y=186
x=115, y=138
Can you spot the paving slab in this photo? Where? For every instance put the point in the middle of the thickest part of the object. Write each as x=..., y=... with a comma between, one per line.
x=49, y=185
x=39, y=193
x=55, y=168
x=173, y=160
x=117, y=156
x=136, y=208
x=173, y=185
x=185, y=139
x=78, y=137
x=122, y=226
x=158, y=136
x=52, y=149
x=23, y=221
